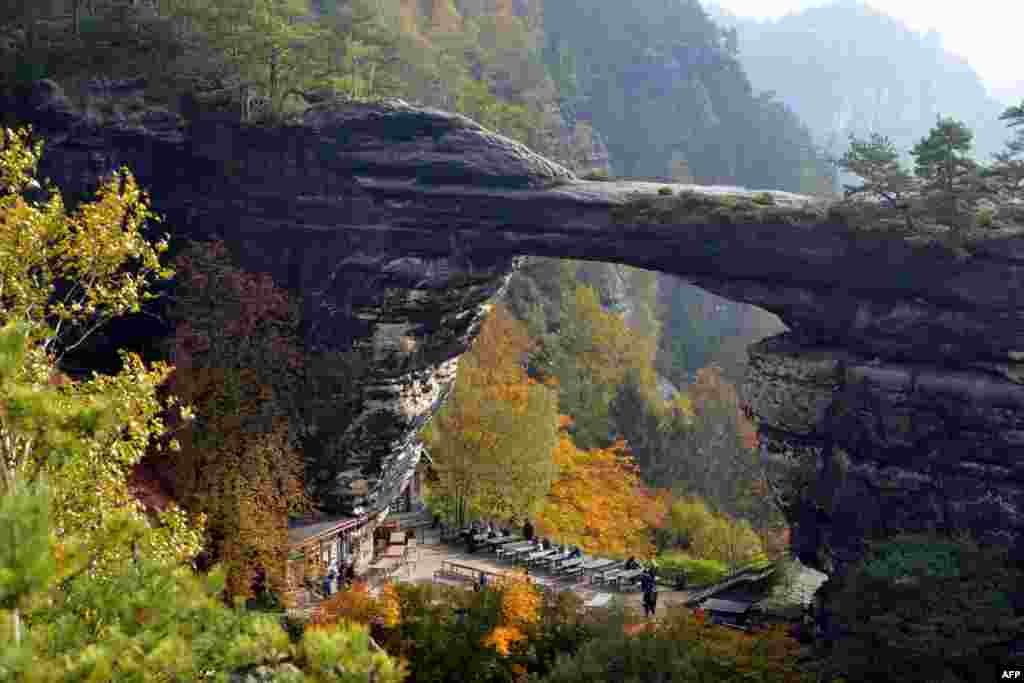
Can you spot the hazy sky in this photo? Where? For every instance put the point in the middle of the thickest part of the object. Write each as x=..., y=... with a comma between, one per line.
x=986, y=33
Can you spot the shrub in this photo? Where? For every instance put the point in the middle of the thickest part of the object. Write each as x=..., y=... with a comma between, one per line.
x=698, y=571
x=924, y=608
x=664, y=190
x=985, y=218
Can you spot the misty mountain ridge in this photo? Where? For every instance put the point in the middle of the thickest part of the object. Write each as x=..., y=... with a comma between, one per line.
x=848, y=68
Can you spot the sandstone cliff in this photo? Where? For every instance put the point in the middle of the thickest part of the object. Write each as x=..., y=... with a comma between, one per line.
x=894, y=401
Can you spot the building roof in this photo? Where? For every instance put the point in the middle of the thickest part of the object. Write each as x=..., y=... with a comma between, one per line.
x=301, y=531
x=727, y=606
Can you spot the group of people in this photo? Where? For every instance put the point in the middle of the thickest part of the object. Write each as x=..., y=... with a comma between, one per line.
x=490, y=529
x=333, y=578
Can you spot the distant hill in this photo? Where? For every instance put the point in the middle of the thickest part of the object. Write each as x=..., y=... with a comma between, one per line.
x=846, y=67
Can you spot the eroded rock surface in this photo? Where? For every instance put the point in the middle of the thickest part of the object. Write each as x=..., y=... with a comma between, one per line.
x=897, y=394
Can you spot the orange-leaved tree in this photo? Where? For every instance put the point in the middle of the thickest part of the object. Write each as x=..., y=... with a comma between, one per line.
x=355, y=604
x=770, y=654
x=520, y=611
x=599, y=503
x=237, y=363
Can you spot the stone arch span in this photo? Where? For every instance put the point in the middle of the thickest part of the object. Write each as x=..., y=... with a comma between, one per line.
x=898, y=392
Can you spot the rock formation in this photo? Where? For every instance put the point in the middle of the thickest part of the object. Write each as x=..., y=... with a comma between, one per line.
x=894, y=402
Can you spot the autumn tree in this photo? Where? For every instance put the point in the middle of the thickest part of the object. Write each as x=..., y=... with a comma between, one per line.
x=238, y=363
x=492, y=441
x=598, y=501
x=63, y=276
x=708, y=535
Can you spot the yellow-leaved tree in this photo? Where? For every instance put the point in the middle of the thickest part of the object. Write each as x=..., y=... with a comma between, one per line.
x=64, y=275
x=492, y=442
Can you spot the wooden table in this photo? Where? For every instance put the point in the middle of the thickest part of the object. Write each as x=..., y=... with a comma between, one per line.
x=600, y=563
x=607, y=575
x=627, y=577
x=512, y=548
x=552, y=560
x=540, y=555
x=568, y=563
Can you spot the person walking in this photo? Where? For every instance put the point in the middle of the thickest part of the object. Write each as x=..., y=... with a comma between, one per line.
x=528, y=531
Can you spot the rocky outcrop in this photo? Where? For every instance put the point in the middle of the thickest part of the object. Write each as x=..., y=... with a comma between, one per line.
x=896, y=396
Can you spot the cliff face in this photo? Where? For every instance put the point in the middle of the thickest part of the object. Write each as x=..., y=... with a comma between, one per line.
x=894, y=402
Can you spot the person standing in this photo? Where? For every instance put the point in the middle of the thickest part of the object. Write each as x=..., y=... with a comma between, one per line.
x=649, y=586
x=528, y=531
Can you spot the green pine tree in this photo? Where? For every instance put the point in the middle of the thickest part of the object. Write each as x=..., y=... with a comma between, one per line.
x=952, y=183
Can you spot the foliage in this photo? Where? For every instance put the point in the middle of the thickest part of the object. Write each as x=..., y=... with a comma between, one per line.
x=711, y=536
x=681, y=648
x=343, y=653
x=649, y=110
x=877, y=162
x=238, y=364
x=453, y=634
x=924, y=608
x=599, y=502
x=1008, y=167
x=63, y=277
x=951, y=183
x=700, y=444
x=698, y=571
x=355, y=604
x=590, y=357
x=145, y=618
x=492, y=442
x=101, y=247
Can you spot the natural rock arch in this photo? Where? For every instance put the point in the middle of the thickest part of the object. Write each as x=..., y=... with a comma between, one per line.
x=897, y=395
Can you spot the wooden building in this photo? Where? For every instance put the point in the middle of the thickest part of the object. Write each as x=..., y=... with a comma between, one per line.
x=731, y=612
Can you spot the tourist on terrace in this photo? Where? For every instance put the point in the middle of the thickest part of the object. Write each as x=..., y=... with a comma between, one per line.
x=650, y=589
